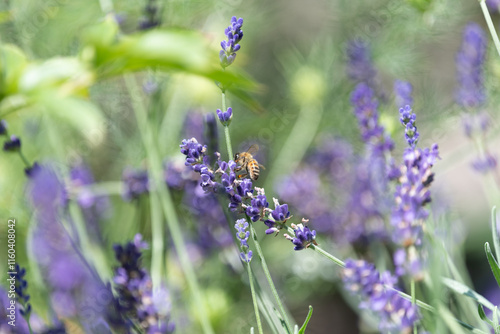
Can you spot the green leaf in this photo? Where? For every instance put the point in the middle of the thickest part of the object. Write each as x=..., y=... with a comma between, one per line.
x=482, y=315
x=468, y=292
x=66, y=74
x=80, y=114
x=12, y=64
x=309, y=315
x=493, y=263
x=111, y=54
x=496, y=327
x=494, y=232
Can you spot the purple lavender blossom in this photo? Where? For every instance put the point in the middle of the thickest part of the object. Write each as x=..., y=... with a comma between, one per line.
x=493, y=5
x=194, y=153
x=408, y=120
x=376, y=291
x=225, y=116
x=485, y=164
x=279, y=216
x=31, y=170
x=3, y=127
x=134, y=289
x=243, y=197
x=476, y=124
x=365, y=108
x=469, y=61
x=231, y=46
x=21, y=291
x=21, y=326
x=56, y=252
x=213, y=233
x=359, y=65
x=303, y=238
x=135, y=183
x=12, y=145
x=151, y=18
x=241, y=226
x=412, y=194
x=256, y=210
x=403, y=90
x=410, y=261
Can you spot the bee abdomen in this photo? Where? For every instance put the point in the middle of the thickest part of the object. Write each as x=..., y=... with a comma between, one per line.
x=254, y=170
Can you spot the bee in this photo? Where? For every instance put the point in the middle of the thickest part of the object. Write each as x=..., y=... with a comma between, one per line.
x=246, y=162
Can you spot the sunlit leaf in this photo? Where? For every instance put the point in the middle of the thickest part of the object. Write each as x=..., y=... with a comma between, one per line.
x=482, y=314
x=68, y=75
x=12, y=64
x=309, y=315
x=466, y=291
x=493, y=263
x=494, y=231
x=167, y=50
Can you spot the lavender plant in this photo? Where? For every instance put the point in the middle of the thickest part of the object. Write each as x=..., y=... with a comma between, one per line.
x=204, y=213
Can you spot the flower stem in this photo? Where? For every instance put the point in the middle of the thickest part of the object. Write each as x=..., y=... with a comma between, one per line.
x=268, y=275
x=23, y=158
x=157, y=244
x=413, y=301
x=491, y=27
x=329, y=256
x=254, y=298
x=166, y=200
x=226, y=130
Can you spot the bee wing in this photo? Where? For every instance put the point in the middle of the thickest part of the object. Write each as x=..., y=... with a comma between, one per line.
x=253, y=149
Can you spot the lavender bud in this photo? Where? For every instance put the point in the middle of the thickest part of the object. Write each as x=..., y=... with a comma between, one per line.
x=225, y=116
x=13, y=144
x=3, y=127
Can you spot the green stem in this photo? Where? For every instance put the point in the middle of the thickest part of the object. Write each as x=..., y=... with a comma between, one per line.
x=226, y=130
x=413, y=301
x=329, y=256
x=254, y=298
x=166, y=200
x=268, y=275
x=228, y=142
x=23, y=158
x=157, y=242
x=493, y=32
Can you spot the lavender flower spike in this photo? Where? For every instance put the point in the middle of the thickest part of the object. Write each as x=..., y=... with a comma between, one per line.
x=133, y=284
x=408, y=120
x=365, y=108
x=402, y=90
x=225, y=116
x=229, y=47
x=21, y=287
x=242, y=235
x=396, y=314
x=470, y=58
x=359, y=66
